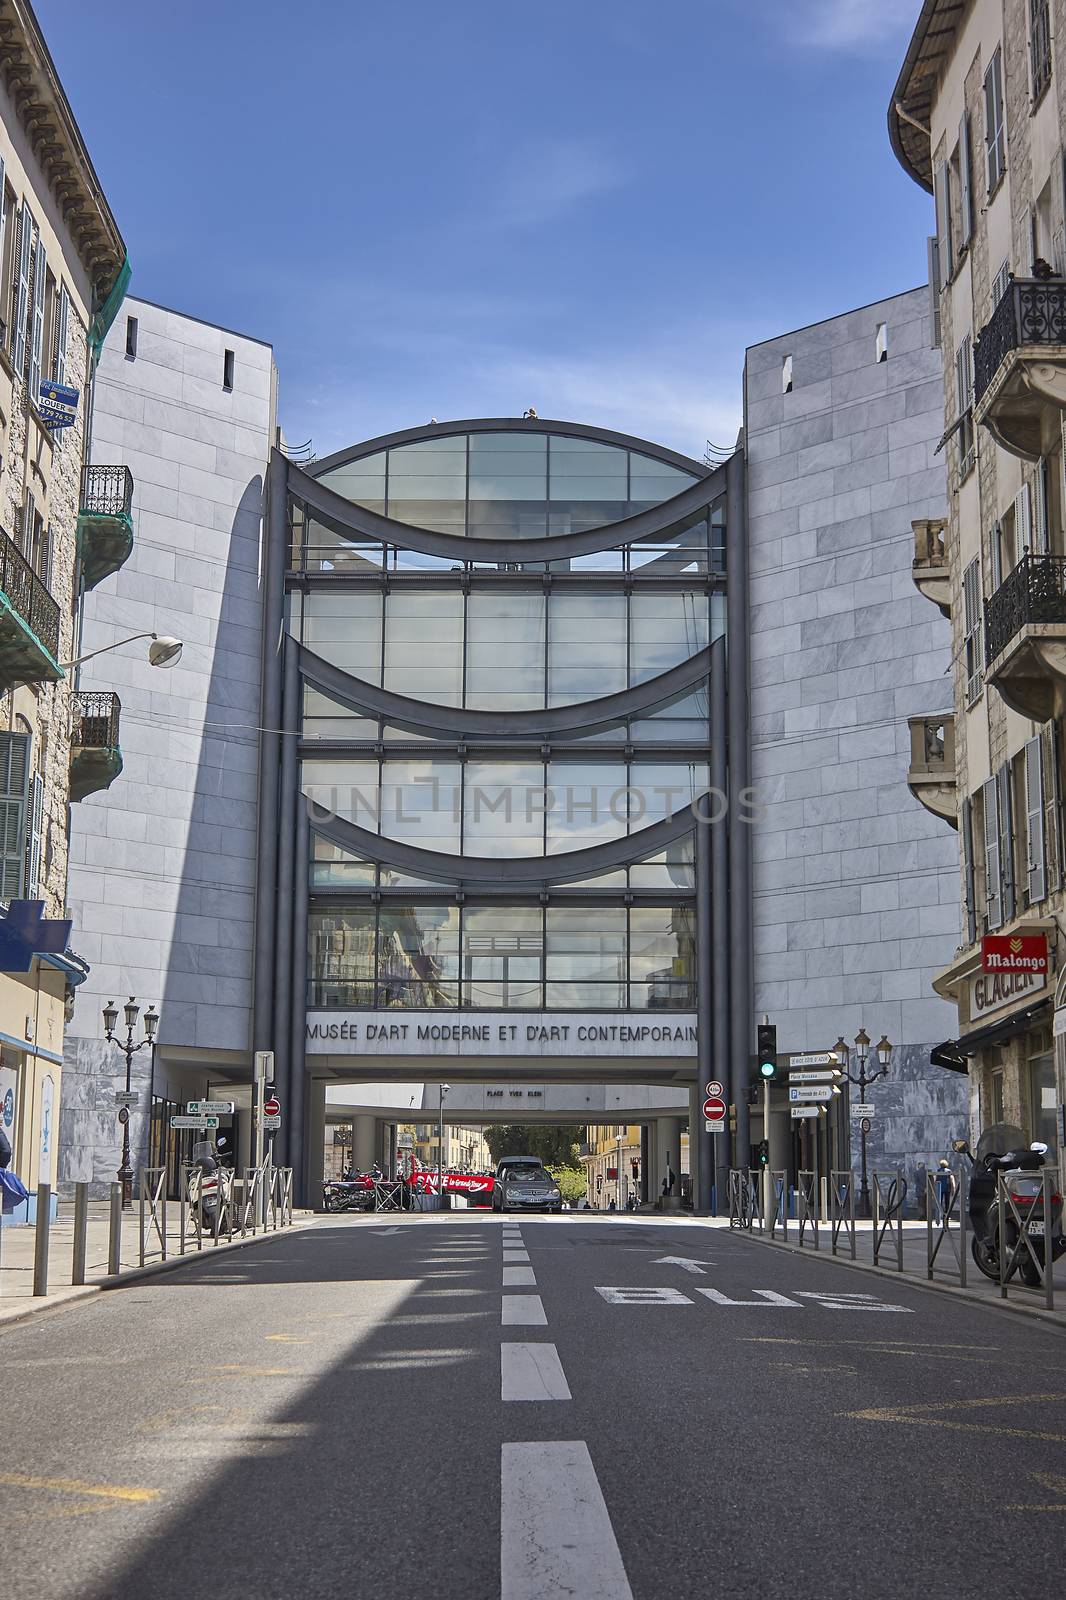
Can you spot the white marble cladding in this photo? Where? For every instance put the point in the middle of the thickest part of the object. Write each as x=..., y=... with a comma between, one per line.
x=162, y=876
x=856, y=885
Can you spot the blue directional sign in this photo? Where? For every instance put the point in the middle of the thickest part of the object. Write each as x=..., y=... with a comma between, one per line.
x=57, y=404
x=26, y=932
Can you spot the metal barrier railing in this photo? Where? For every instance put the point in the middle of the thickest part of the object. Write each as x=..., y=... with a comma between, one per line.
x=755, y=1198
x=889, y=1193
x=154, y=1219
x=938, y=1231
x=745, y=1202
x=779, y=1203
x=842, y=1209
x=807, y=1204
x=1020, y=1254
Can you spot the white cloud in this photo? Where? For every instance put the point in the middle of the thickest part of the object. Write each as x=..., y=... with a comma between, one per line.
x=850, y=25
x=548, y=178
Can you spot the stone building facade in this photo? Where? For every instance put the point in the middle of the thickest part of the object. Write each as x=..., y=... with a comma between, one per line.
x=62, y=272
x=978, y=119
x=855, y=885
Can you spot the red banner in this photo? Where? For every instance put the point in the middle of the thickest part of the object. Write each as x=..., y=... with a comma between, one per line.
x=454, y=1182
x=1015, y=952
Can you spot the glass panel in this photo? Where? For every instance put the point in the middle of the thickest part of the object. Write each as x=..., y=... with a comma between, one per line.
x=420, y=803
x=327, y=551
x=362, y=482
x=330, y=865
x=662, y=956
x=427, y=484
x=651, y=482
x=418, y=955
x=585, y=955
x=587, y=804
x=657, y=791
x=505, y=650
x=424, y=646
x=586, y=646
x=664, y=629
x=503, y=809
x=325, y=719
x=347, y=789
x=502, y=953
x=682, y=548
x=345, y=629
x=718, y=536
x=673, y=868
x=341, y=957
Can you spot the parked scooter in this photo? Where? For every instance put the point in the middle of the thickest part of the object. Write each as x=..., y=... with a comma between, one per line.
x=208, y=1183
x=1002, y=1149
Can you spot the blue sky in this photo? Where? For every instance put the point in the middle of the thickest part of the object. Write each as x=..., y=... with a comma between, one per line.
x=462, y=210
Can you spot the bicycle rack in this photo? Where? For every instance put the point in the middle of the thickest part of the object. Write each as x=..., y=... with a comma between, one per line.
x=890, y=1191
x=937, y=1232
x=154, y=1194
x=1024, y=1242
x=807, y=1204
x=842, y=1208
x=779, y=1203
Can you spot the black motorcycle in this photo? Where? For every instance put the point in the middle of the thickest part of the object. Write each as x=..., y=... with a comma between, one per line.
x=1002, y=1149
x=347, y=1194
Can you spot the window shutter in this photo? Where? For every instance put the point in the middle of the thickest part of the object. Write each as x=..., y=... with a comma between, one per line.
x=1008, y=898
x=997, y=556
x=965, y=180
x=62, y=324
x=1034, y=820
x=967, y=870
x=29, y=511
x=1056, y=830
x=993, y=896
x=14, y=790
x=1040, y=538
x=3, y=217
x=40, y=278
x=942, y=196
x=1023, y=522
x=35, y=810
x=933, y=249
x=22, y=291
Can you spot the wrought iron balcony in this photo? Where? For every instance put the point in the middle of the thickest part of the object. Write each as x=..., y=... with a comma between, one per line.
x=95, y=752
x=930, y=566
x=1020, y=367
x=29, y=622
x=1025, y=637
x=105, y=522
x=931, y=776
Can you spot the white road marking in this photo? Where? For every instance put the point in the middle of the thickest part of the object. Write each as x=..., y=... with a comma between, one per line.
x=767, y=1297
x=556, y=1536
x=515, y=1255
x=829, y=1301
x=523, y=1311
x=532, y=1372
x=686, y=1263
x=519, y=1278
x=644, y=1297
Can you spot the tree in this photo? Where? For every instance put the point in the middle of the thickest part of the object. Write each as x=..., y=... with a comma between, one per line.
x=554, y=1146
x=572, y=1181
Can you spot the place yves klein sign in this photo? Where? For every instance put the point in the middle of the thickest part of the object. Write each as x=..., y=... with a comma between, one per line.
x=501, y=1033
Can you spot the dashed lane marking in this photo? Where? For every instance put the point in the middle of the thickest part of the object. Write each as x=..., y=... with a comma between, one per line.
x=523, y=1310
x=519, y=1278
x=556, y=1536
x=532, y=1372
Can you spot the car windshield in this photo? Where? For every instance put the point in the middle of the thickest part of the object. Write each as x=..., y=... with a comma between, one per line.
x=525, y=1175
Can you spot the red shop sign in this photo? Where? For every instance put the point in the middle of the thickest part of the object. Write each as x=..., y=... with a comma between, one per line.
x=1015, y=952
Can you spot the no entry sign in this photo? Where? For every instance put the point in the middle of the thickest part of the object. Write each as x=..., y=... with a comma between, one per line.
x=272, y=1106
x=714, y=1108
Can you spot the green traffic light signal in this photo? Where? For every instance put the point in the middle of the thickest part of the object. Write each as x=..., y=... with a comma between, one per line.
x=767, y=1047
x=768, y=1069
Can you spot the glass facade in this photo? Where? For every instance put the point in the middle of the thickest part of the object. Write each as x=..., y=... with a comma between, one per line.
x=502, y=637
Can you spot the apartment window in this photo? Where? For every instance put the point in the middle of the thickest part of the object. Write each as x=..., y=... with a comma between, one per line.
x=881, y=342
x=38, y=316
x=20, y=290
x=995, y=122
x=786, y=375
x=1039, y=46
x=971, y=595
x=131, y=337
x=227, y=370
x=35, y=540
x=1041, y=509
x=1035, y=843
x=1000, y=284
x=964, y=391
x=1022, y=523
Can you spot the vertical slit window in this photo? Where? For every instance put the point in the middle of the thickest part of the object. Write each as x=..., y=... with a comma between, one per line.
x=227, y=370
x=131, y=337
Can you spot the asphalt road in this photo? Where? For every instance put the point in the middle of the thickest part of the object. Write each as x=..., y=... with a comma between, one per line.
x=368, y=1408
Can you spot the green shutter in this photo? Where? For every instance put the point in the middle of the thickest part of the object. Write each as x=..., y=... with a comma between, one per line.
x=14, y=792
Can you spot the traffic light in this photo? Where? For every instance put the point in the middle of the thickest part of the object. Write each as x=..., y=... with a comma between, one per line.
x=764, y=1152
x=767, y=1050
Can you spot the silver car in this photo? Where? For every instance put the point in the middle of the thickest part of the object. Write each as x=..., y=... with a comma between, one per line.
x=522, y=1184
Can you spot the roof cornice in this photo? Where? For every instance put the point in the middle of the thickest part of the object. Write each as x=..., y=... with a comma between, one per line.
x=912, y=99
x=32, y=82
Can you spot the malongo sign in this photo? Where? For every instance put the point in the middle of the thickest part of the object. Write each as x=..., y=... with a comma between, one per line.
x=501, y=1033
x=1015, y=952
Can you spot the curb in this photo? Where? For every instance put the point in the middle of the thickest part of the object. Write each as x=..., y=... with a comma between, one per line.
x=74, y=1295
x=1050, y=1319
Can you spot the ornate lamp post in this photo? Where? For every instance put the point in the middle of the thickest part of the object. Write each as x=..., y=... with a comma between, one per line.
x=129, y=1050
x=444, y=1088
x=862, y=1082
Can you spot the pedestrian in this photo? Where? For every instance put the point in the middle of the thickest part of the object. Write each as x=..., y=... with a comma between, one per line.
x=12, y=1189
x=611, y=1205
x=945, y=1187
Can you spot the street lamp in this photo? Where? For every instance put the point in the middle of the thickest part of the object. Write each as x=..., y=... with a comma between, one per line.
x=151, y=1022
x=440, y=1145
x=162, y=652
x=619, y=1138
x=862, y=1082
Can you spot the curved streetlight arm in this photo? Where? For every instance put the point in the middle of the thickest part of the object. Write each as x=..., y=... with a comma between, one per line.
x=104, y=648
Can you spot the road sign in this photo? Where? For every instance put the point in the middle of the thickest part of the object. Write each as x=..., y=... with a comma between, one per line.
x=865, y=1125
x=714, y=1124
x=124, y=1116
x=860, y=1109
x=715, y=1090
x=264, y=1065
x=272, y=1121
x=823, y=1058
x=271, y=1107
x=714, y=1108
x=210, y=1108
x=203, y=1123
x=825, y=1075
x=804, y=1111
x=126, y=1097
x=810, y=1093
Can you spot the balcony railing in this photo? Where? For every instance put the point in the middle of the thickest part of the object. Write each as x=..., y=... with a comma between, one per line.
x=1034, y=592
x=106, y=492
x=933, y=746
x=1032, y=311
x=28, y=595
x=96, y=718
